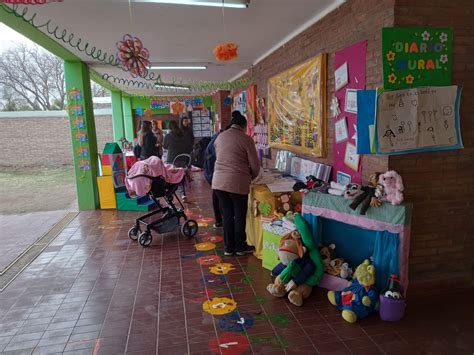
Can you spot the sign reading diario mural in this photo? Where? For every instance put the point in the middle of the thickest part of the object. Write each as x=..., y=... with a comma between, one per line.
x=415, y=57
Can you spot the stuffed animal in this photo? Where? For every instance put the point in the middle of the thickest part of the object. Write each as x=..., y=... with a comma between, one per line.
x=352, y=191
x=346, y=271
x=332, y=265
x=284, y=203
x=300, y=267
x=358, y=300
x=393, y=186
x=368, y=196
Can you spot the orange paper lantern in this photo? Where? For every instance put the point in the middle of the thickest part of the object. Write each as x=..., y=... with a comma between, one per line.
x=226, y=51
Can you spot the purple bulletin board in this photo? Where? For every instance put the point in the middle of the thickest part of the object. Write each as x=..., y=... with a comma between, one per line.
x=354, y=58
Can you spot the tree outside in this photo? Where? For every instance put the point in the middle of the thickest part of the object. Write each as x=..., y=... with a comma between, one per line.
x=32, y=79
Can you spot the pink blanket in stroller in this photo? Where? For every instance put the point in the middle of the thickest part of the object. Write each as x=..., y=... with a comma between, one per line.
x=153, y=166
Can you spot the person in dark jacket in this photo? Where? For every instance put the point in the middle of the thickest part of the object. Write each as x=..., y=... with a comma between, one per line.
x=188, y=134
x=175, y=142
x=147, y=142
x=209, y=163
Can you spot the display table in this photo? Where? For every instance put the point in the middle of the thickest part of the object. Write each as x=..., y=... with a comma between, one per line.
x=253, y=228
x=383, y=233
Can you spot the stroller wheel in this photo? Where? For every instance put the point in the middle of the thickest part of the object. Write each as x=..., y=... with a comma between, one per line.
x=133, y=233
x=189, y=228
x=145, y=239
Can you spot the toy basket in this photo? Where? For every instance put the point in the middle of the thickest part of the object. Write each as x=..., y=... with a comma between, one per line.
x=391, y=310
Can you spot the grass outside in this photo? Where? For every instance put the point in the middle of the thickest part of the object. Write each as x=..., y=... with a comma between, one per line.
x=24, y=190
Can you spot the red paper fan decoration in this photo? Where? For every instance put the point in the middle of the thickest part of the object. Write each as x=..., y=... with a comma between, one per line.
x=134, y=57
x=226, y=51
x=29, y=2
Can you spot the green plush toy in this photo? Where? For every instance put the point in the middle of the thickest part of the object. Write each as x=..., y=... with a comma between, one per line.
x=301, y=266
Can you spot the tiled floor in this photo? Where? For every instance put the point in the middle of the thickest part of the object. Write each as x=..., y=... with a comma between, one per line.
x=93, y=291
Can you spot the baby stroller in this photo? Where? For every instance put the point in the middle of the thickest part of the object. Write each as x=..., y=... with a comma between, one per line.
x=171, y=216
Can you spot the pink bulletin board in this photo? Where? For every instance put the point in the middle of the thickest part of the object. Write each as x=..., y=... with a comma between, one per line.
x=354, y=56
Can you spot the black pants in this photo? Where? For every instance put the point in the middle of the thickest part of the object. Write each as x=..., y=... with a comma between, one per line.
x=216, y=207
x=234, y=213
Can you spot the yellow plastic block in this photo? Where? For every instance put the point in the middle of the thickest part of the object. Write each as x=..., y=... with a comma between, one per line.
x=106, y=192
x=106, y=170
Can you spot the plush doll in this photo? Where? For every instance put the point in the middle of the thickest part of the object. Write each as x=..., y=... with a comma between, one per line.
x=300, y=266
x=368, y=197
x=352, y=191
x=393, y=186
x=312, y=184
x=284, y=203
x=346, y=271
x=332, y=265
x=358, y=300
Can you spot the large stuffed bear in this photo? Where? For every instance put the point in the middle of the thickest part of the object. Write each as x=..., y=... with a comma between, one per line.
x=358, y=299
x=300, y=267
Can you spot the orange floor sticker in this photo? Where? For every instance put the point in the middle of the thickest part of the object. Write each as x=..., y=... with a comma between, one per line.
x=219, y=305
x=205, y=246
x=221, y=268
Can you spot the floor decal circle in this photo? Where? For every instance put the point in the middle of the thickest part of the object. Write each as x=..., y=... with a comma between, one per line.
x=213, y=238
x=219, y=305
x=221, y=268
x=206, y=246
x=236, y=322
x=229, y=343
x=209, y=260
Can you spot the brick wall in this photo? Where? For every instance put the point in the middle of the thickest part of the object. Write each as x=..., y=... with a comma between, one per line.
x=221, y=109
x=440, y=184
x=30, y=141
x=354, y=21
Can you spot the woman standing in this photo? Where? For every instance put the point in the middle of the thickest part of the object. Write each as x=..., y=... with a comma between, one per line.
x=146, y=142
x=237, y=164
x=175, y=142
x=188, y=134
x=159, y=137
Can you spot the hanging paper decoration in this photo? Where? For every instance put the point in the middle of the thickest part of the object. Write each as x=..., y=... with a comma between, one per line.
x=29, y=2
x=228, y=100
x=148, y=112
x=134, y=57
x=226, y=51
x=139, y=111
x=177, y=107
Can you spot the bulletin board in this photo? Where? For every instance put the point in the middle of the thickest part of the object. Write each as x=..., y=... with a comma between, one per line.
x=296, y=108
x=416, y=56
x=421, y=119
x=202, y=122
x=349, y=66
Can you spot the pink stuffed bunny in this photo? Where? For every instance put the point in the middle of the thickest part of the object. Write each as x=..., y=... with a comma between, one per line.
x=393, y=187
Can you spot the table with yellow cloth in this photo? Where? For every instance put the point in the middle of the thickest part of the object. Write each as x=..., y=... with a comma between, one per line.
x=253, y=227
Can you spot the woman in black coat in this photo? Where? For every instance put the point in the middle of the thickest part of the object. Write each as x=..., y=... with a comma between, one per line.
x=147, y=142
x=188, y=134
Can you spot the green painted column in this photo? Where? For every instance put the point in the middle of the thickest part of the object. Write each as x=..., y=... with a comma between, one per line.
x=117, y=116
x=83, y=135
x=128, y=118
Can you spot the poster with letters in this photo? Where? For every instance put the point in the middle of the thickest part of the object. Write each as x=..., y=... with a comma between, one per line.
x=420, y=119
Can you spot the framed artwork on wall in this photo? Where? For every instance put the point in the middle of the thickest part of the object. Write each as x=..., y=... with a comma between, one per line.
x=297, y=108
x=340, y=131
x=341, y=77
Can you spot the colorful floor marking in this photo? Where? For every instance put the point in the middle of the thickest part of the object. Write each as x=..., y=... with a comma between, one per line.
x=246, y=280
x=215, y=280
x=221, y=268
x=203, y=225
x=219, y=305
x=275, y=341
x=209, y=260
x=236, y=322
x=276, y=319
x=205, y=295
x=213, y=239
x=205, y=246
x=229, y=343
x=205, y=219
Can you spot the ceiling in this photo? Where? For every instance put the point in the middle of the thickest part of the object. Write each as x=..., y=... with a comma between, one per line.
x=183, y=34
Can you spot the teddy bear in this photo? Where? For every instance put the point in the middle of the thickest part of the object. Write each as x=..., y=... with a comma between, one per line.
x=300, y=267
x=369, y=195
x=332, y=265
x=284, y=203
x=392, y=186
x=358, y=300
